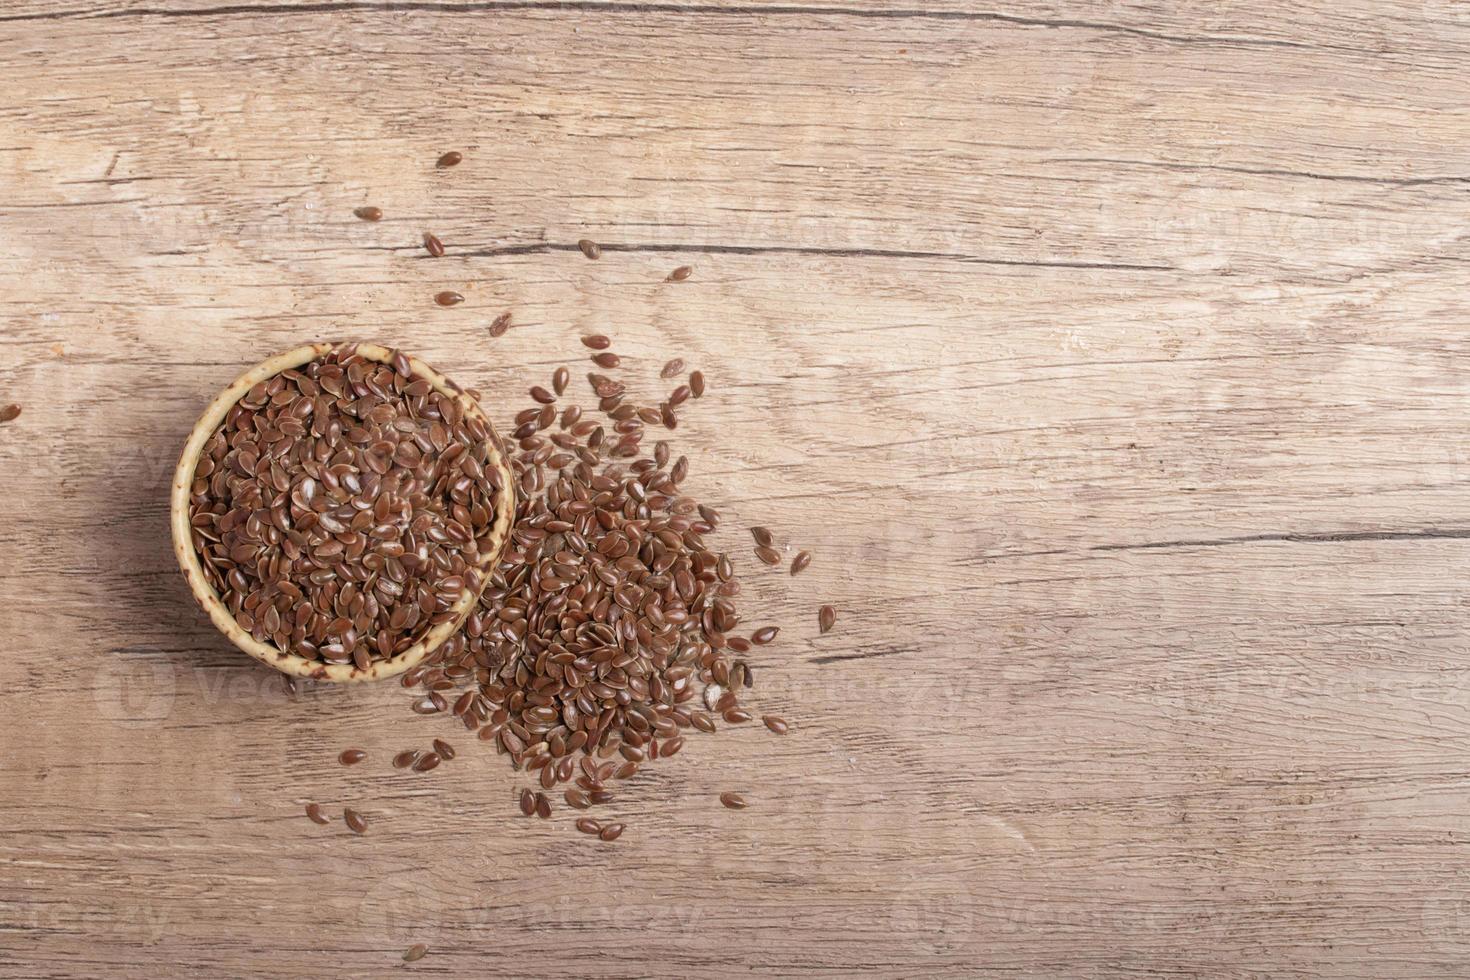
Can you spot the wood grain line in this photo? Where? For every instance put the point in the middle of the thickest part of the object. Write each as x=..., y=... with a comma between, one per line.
x=845, y=253
x=639, y=9
x=1267, y=172
x=1329, y=537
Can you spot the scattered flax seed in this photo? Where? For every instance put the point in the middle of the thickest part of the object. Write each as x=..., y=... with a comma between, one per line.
x=776, y=724
x=528, y=803
x=590, y=248
x=369, y=213
x=607, y=359
x=559, y=381
x=405, y=758
x=445, y=750
x=673, y=368
x=500, y=324
x=768, y=555
x=596, y=341
x=433, y=244
x=449, y=159
x=696, y=383
x=681, y=273
x=430, y=760
x=315, y=814
x=9, y=413
x=734, y=801
x=354, y=821
x=611, y=832
x=764, y=635
x=448, y=298
x=589, y=826
x=826, y=617
x=415, y=952
x=351, y=757
x=762, y=536
x=543, y=806
x=801, y=561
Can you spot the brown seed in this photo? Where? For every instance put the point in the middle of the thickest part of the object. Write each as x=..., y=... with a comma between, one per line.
x=434, y=246
x=737, y=716
x=826, y=617
x=587, y=825
x=445, y=750
x=355, y=821
x=449, y=159
x=768, y=555
x=405, y=758
x=543, y=806
x=696, y=384
x=762, y=536
x=500, y=324
x=541, y=395
x=673, y=368
x=429, y=760
x=528, y=802
x=448, y=298
x=801, y=561
x=607, y=359
x=611, y=832
x=666, y=411
x=764, y=635
x=9, y=413
x=596, y=341
x=681, y=273
x=369, y=213
x=418, y=950
x=733, y=801
x=351, y=757
x=590, y=248
x=559, y=379
x=775, y=723
x=576, y=799
x=315, y=814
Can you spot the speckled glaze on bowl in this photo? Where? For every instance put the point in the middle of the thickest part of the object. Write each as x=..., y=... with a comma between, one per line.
x=209, y=600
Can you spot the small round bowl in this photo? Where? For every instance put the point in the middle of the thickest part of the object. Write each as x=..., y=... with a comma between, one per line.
x=209, y=600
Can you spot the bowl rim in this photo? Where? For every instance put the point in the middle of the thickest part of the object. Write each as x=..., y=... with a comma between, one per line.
x=204, y=594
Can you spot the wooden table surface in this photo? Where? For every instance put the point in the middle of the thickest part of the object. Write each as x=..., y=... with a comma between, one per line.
x=1112, y=359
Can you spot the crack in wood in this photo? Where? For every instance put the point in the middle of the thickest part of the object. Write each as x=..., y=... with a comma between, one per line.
x=1329, y=537
x=639, y=9
x=835, y=658
x=844, y=253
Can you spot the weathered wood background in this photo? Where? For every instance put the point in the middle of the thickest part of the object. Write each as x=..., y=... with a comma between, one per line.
x=1112, y=358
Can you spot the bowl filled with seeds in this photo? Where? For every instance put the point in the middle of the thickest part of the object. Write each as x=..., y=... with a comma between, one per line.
x=338, y=510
